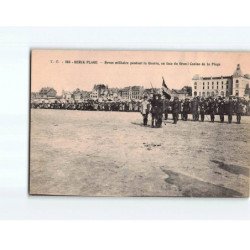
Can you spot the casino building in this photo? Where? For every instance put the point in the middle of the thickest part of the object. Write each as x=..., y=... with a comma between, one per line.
x=236, y=85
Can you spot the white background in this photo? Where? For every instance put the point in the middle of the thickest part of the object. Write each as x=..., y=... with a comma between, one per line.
x=15, y=45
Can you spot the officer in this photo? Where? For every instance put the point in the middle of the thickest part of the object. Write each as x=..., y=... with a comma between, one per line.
x=202, y=108
x=165, y=107
x=145, y=110
x=153, y=110
x=194, y=109
x=221, y=109
x=238, y=110
x=185, y=109
x=159, y=111
x=175, y=109
x=212, y=108
x=230, y=109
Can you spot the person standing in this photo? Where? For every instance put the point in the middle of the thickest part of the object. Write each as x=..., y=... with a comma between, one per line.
x=165, y=107
x=175, y=109
x=186, y=108
x=238, y=110
x=194, y=109
x=159, y=112
x=145, y=110
x=202, y=109
x=153, y=110
x=212, y=109
x=230, y=109
x=221, y=109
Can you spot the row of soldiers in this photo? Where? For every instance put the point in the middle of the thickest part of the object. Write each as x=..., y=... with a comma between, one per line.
x=198, y=107
x=130, y=106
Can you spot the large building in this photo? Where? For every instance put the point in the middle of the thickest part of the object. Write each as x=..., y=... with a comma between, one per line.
x=236, y=85
x=99, y=91
x=131, y=93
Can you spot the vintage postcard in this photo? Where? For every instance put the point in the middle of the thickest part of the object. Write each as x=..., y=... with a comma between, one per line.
x=139, y=123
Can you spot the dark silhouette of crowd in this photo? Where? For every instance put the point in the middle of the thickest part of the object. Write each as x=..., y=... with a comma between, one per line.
x=91, y=105
x=160, y=107
x=197, y=107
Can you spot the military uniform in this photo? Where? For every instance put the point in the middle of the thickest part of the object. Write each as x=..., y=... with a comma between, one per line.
x=165, y=108
x=230, y=110
x=145, y=110
x=159, y=112
x=202, y=109
x=238, y=110
x=175, y=109
x=194, y=109
x=212, y=109
x=153, y=110
x=185, y=109
x=221, y=109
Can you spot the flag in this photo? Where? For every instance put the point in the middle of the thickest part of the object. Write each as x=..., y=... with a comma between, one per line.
x=165, y=90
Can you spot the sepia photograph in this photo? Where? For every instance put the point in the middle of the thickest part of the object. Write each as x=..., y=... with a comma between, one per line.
x=139, y=123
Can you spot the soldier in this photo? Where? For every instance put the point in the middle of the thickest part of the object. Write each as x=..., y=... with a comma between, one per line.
x=153, y=110
x=145, y=110
x=186, y=108
x=221, y=109
x=230, y=109
x=194, y=109
x=238, y=109
x=202, y=109
x=165, y=107
x=159, y=112
x=212, y=108
x=175, y=109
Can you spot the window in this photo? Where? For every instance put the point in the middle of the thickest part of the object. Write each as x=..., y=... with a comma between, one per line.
x=237, y=81
x=195, y=87
x=203, y=94
x=207, y=87
x=213, y=87
x=208, y=94
x=237, y=92
x=212, y=83
x=222, y=93
x=195, y=93
x=195, y=83
x=221, y=82
x=237, y=85
x=217, y=87
x=217, y=83
x=203, y=83
x=227, y=86
x=222, y=86
x=203, y=87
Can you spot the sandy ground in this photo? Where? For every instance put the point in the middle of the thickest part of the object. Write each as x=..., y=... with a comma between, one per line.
x=111, y=154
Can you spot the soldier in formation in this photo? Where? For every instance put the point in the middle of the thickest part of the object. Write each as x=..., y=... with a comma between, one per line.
x=158, y=107
x=145, y=106
x=175, y=109
x=202, y=109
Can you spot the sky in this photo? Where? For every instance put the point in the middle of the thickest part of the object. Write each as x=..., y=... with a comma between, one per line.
x=71, y=69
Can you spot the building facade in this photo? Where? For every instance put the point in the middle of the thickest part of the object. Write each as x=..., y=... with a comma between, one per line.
x=131, y=93
x=180, y=93
x=99, y=91
x=224, y=86
x=47, y=92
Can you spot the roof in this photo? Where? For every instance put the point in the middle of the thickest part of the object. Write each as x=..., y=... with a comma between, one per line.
x=46, y=90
